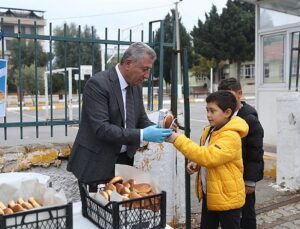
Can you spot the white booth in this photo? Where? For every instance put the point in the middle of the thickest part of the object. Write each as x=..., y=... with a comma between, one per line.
x=277, y=75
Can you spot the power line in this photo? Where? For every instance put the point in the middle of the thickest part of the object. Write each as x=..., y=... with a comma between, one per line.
x=111, y=13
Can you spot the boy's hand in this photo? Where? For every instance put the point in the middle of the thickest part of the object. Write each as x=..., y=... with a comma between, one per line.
x=172, y=137
x=249, y=189
x=191, y=167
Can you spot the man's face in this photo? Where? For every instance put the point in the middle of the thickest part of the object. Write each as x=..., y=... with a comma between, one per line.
x=216, y=116
x=137, y=72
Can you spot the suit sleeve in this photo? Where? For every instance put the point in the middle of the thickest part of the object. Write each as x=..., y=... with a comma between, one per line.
x=96, y=100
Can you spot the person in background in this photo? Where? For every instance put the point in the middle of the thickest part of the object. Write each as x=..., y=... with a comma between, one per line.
x=218, y=161
x=113, y=119
x=253, y=151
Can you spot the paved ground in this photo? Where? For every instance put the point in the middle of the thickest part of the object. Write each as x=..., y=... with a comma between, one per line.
x=275, y=208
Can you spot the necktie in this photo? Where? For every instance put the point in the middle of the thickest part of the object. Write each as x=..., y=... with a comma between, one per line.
x=130, y=122
x=130, y=118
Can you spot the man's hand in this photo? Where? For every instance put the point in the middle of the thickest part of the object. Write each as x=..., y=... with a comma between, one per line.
x=155, y=134
x=249, y=189
x=191, y=167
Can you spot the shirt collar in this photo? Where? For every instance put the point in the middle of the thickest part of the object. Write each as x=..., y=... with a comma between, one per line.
x=235, y=113
x=122, y=81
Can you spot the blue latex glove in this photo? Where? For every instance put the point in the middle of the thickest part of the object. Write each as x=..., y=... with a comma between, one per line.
x=155, y=134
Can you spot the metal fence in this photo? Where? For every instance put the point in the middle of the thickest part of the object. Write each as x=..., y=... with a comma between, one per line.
x=71, y=103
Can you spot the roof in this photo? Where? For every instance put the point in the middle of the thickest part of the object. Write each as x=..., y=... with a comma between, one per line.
x=21, y=13
x=285, y=6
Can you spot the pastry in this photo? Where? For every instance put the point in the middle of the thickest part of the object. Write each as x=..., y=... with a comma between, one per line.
x=11, y=204
x=119, y=187
x=18, y=208
x=2, y=206
x=168, y=121
x=104, y=194
x=33, y=202
x=110, y=187
x=27, y=205
x=1, y=211
x=8, y=211
x=116, y=179
x=142, y=188
x=124, y=190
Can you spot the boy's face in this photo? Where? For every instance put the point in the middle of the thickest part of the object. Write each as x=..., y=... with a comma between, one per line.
x=216, y=116
x=238, y=95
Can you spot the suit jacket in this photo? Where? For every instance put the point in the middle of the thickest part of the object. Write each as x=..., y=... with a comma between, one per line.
x=101, y=131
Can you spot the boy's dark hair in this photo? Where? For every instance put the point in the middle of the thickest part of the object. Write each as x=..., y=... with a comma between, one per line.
x=230, y=84
x=223, y=99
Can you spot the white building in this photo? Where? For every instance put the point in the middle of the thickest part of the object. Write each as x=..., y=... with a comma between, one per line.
x=11, y=17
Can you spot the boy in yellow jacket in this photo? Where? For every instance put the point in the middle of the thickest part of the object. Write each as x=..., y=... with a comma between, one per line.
x=219, y=162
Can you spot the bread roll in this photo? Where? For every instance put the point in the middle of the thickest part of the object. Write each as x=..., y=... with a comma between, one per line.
x=134, y=195
x=11, y=204
x=8, y=211
x=168, y=121
x=20, y=201
x=110, y=187
x=142, y=188
x=127, y=185
x=2, y=206
x=27, y=205
x=1, y=211
x=124, y=190
x=33, y=202
x=18, y=208
x=119, y=187
x=104, y=194
x=116, y=179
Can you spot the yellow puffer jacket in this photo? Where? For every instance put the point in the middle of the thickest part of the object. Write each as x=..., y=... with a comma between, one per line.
x=223, y=161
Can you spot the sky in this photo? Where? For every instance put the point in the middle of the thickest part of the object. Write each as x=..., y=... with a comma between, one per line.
x=116, y=14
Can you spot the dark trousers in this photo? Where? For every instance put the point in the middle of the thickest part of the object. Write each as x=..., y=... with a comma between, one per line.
x=248, y=220
x=211, y=219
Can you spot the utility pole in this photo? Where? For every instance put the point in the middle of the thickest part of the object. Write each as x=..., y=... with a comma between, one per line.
x=179, y=78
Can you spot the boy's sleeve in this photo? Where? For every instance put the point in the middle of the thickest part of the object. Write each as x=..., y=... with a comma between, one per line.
x=225, y=149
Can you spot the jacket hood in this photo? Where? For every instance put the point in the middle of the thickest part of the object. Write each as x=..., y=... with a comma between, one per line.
x=236, y=124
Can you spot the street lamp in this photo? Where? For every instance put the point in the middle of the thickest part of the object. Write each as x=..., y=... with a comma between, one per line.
x=179, y=91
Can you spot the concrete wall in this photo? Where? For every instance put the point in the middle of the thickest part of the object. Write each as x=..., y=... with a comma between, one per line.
x=288, y=145
x=166, y=165
x=267, y=111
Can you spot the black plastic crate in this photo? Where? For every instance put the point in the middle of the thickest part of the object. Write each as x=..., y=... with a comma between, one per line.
x=147, y=212
x=42, y=218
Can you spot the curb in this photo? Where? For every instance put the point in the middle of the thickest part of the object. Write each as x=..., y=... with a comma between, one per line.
x=270, y=160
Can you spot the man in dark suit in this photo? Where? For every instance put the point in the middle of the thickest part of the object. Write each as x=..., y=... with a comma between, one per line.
x=113, y=121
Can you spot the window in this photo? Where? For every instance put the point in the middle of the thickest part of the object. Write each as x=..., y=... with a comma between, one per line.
x=273, y=58
x=247, y=71
x=8, y=28
x=266, y=71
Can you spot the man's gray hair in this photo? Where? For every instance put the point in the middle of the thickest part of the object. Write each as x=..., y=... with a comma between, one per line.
x=137, y=51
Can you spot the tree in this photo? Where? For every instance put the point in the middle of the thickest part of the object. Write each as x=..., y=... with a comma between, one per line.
x=229, y=36
x=67, y=53
x=73, y=49
x=28, y=81
x=27, y=49
x=202, y=66
x=238, y=22
x=208, y=37
x=185, y=42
